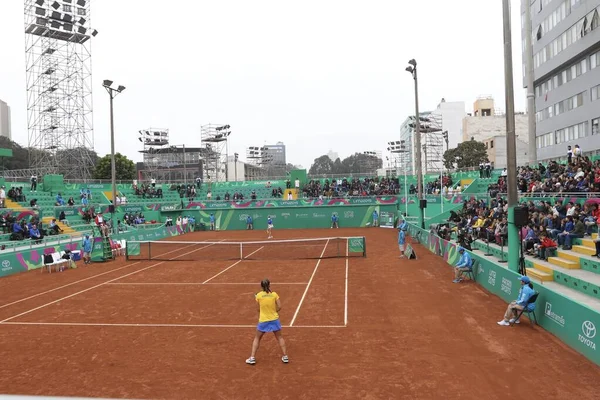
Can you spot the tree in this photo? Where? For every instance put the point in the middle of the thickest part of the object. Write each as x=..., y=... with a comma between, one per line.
x=354, y=164
x=321, y=166
x=466, y=154
x=125, y=168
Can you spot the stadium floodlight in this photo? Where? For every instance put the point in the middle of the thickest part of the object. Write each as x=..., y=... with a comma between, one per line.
x=68, y=27
x=94, y=33
x=82, y=21
x=81, y=30
x=81, y=3
x=107, y=83
x=55, y=5
x=39, y=2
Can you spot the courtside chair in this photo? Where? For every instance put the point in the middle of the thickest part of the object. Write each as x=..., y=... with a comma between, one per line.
x=473, y=270
x=532, y=321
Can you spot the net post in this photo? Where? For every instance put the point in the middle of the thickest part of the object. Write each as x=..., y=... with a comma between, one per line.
x=364, y=246
x=149, y=251
x=241, y=251
x=126, y=253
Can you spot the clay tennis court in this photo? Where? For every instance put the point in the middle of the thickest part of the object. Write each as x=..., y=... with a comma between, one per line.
x=182, y=329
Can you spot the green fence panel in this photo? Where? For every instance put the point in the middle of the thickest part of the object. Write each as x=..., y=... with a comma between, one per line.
x=573, y=323
x=294, y=217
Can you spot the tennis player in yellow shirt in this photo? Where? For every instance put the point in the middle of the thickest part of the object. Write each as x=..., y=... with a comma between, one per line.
x=268, y=305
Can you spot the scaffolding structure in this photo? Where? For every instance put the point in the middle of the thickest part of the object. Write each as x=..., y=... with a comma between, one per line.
x=59, y=87
x=432, y=142
x=259, y=156
x=215, y=141
x=155, y=142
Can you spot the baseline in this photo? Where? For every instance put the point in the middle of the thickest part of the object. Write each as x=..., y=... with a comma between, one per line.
x=73, y=324
x=199, y=283
x=99, y=285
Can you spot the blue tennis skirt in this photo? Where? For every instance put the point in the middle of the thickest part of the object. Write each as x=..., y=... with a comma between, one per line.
x=269, y=326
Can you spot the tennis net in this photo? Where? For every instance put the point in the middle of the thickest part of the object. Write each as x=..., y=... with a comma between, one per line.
x=292, y=249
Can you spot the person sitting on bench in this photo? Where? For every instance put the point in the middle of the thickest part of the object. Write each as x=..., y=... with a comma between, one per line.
x=464, y=265
x=517, y=305
x=34, y=234
x=54, y=227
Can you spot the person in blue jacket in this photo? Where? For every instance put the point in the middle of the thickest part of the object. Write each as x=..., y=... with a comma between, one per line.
x=375, y=218
x=334, y=221
x=522, y=301
x=465, y=263
x=401, y=240
x=249, y=223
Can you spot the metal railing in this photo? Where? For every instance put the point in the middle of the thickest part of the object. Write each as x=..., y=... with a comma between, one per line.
x=28, y=244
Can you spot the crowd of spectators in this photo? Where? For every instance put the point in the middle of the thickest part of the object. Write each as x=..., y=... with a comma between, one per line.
x=581, y=175
x=549, y=226
x=446, y=186
x=351, y=187
x=147, y=190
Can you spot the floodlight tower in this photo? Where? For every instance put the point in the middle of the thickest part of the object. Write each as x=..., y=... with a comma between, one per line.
x=154, y=142
x=215, y=139
x=258, y=155
x=59, y=87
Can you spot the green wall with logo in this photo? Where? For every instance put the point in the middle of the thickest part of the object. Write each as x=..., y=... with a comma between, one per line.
x=293, y=217
x=573, y=323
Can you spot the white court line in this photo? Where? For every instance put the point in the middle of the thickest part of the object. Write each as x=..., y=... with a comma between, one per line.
x=159, y=325
x=309, y=282
x=201, y=283
x=101, y=284
x=346, y=292
x=85, y=279
x=232, y=265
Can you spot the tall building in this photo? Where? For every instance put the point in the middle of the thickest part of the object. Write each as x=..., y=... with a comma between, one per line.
x=487, y=124
x=276, y=153
x=566, y=61
x=451, y=115
x=5, y=120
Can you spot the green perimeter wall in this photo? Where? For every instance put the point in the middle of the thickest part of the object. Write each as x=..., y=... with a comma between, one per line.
x=13, y=263
x=292, y=217
x=573, y=323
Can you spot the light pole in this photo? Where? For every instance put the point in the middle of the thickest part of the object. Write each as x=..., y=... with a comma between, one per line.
x=235, y=158
x=412, y=69
x=113, y=169
x=511, y=143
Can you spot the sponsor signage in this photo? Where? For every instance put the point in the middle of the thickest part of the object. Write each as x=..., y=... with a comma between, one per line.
x=129, y=209
x=552, y=316
x=588, y=333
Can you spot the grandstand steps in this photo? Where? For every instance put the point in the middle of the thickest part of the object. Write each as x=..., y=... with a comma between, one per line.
x=584, y=250
x=566, y=255
x=588, y=243
x=108, y=195
x=67, y=230
x=540, y=275
x=466, y=182
x=294, y=193
x=12, y=204
x=562, y=262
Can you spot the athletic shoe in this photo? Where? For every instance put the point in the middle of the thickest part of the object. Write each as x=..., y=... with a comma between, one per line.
x=513, y=321
x=456, y=281
x=503, y=323
x=251, y=361
x=285, y=359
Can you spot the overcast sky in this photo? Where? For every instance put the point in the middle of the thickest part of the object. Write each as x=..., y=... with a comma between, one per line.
x=317, y=75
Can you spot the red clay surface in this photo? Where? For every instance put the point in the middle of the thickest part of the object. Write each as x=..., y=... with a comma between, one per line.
x=411, y=333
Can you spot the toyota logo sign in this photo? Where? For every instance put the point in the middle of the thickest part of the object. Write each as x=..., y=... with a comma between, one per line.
x=589, y=329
